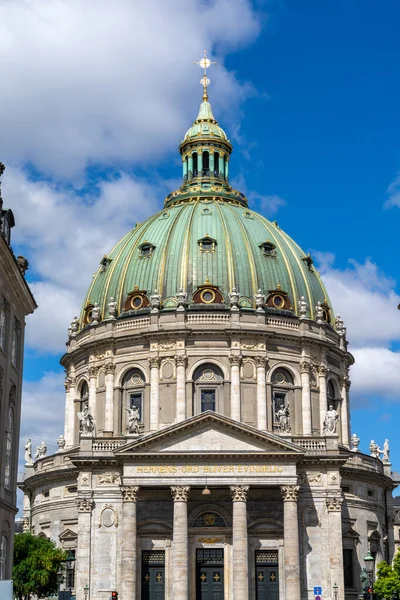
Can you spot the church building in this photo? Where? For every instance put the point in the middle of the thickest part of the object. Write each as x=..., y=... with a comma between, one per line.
x=207, y=452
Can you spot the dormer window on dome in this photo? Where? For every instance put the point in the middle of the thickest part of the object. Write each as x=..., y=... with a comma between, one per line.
x=207, y=244
x=268, y=249
x=136, y=299
x=208, y=294
x=146, y=250
x=278, y=299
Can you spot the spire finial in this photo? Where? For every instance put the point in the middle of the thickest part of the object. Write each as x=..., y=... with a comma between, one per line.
x=205, y=64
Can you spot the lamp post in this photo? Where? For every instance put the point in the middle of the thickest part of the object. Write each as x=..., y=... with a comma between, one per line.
x=60, y=577
x=335, y=591
x=369, y=567
x=86, y=590
x=69, y=562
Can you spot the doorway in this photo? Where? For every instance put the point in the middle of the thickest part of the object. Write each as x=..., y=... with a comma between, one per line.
x=153, y=575
x=210, y=574
x=267, y=577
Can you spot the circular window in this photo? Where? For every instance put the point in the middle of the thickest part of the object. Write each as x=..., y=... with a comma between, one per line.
x=280, y=378
x=207, y=296
x=208, y=374
x=136, y=302
x=326, y=315
x=89, y=316
x=209, y=519
x=278, y=301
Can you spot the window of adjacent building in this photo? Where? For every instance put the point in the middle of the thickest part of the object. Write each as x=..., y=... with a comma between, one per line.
x=15, y=343
x=9, y=448
x=371, y=493
x=3, y=324
x=3, y=556
x=348, y=567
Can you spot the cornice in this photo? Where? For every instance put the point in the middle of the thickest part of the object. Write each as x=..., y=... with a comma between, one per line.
x=372, y=476
x=18, y=285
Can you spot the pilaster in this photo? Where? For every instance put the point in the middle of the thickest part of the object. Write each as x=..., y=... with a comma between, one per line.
x=235, y=361
x=154, y=363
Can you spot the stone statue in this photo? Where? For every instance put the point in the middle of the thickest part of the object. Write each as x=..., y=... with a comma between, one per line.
x=86, y=421
x=73, y=328
x=95, y=320
x=303, y=308
x=386, y=451
x=282, y=416
x=133, y=420
x=330, y=421
x=355, y=441
x=234, y=299
x=181, y=298
x=155, y=301
x=28, y=452
x=23, y=264
x=364, y=580
x=374, y=449
x=112, y=309
x=259, y=300
x=61, y=442
x=41, y=450
x=319, y=313
x=340, y=328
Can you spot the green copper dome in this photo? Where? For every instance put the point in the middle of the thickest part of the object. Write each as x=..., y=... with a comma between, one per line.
x=206, y=235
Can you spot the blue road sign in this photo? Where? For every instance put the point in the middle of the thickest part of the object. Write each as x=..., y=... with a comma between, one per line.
x=317, y=590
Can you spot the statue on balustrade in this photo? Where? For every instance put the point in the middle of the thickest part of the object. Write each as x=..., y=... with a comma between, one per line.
x=86, y=426
x=133, y=420
x=282, y=417
x=330, y=421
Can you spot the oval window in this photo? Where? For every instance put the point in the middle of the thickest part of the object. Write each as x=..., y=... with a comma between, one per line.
x=278, y=301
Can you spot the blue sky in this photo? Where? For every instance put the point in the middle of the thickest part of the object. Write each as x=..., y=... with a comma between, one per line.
x=95, y=101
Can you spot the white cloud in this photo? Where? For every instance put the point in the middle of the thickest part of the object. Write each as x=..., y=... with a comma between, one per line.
x=99, y=81
x=377, y=371
x=393, y=193
x=64, y=236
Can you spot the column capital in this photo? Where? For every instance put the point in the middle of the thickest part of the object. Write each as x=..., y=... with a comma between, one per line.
x=322, y=371
x=239, y=492
x=345, y=381
x=334, y=504
x=181, y=360
x=109, y=368
x=154, y=362
x=180, y=493
x=261, y=361
x=289, y=492
x=305, y=367
x=130, y=493
x=92, y=371
x=67, y=384
x=235, y=359
x=85, y=505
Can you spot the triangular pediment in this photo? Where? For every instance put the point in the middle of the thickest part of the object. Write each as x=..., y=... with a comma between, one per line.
x=210, y=433
x=67, y=534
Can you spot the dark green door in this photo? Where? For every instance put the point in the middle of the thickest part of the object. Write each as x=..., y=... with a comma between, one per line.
x=210, y=574
x=267, y=583
x=153, y=575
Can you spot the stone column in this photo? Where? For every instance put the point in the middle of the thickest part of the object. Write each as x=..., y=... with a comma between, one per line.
x=305, y=368
x=240, y=546
x=291, y=542
x=235, y=386
x=70, y=391
x=129, y=543
x=344, y=411
x=335, y=565
x=323, y=398
x=83, y=555
x=109, y=407
x=190, y=166
x=181, y=363
x=180, y=543
x=154, y=363
x=261, y=393
x=221, y=165
x=92, y=392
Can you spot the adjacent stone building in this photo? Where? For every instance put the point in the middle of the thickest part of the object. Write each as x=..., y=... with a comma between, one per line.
x=16, y=301
x=207, y=450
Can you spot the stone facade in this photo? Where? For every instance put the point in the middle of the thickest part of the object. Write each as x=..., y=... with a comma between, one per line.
x=16, y=302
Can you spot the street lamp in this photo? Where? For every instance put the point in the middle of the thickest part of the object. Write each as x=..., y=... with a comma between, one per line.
x=60, y=577
x=369, y=567
x=86, y=590
x=69, y=562
x=335, y=591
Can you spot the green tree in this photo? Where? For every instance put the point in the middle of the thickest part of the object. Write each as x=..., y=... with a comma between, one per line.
x=36, y=562
x=387, y=581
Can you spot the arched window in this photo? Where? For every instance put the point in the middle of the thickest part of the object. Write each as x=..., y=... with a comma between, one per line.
x=195, y=171
x=208, y=388
x=216, y=164
x=9, y=448
x=209, y=519
x=282, y=399
x=331, y=395
x=134, y=387
x=206, y=163
x=3, y=556
x=3, y=323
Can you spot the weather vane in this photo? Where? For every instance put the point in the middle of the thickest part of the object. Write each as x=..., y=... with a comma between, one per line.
x=205, y=63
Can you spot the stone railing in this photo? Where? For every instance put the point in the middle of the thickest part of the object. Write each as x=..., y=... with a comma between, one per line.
x=359, y=460
x=133, y=324
x=208, y=318
x=311, y=445
x=282, y=323
x=107, y=445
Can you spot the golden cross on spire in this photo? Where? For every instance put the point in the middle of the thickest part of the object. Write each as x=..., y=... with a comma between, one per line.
x=205, y=63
